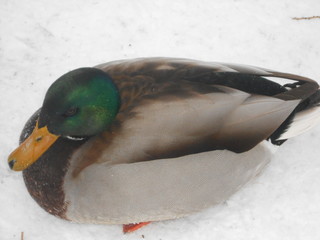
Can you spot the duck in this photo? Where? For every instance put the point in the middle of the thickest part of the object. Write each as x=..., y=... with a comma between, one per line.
x=151, y=139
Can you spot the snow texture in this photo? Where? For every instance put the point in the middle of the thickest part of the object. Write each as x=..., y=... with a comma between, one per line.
x=41, y=40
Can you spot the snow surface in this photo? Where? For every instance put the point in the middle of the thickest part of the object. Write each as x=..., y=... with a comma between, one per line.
x=41, y=40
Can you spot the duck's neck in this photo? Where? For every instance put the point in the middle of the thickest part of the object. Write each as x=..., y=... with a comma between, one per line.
x=44, y=179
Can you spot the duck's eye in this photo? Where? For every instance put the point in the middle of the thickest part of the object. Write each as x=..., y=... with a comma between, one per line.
x=70, y=112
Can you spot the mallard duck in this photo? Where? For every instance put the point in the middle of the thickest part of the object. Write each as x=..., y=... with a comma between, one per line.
x=135, y=141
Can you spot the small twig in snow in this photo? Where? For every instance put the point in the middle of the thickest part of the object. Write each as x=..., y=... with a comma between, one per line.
x=305, y=18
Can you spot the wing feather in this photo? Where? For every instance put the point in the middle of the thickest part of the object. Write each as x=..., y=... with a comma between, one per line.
x=175, y=107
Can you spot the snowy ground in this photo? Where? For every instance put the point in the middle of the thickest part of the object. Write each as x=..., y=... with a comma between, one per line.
x=41, y=40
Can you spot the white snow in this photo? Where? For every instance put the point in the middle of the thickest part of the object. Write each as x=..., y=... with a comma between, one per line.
x=41, y=40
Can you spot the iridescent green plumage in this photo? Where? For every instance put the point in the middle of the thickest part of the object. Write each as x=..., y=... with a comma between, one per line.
x=80, y=103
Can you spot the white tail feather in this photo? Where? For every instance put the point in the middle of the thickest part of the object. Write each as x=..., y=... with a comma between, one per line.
x=302, y=122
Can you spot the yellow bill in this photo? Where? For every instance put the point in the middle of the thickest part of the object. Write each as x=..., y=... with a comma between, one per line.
x=31, y=149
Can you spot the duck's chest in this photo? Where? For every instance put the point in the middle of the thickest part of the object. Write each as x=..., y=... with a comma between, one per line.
x=160, y=189
x=45, y=178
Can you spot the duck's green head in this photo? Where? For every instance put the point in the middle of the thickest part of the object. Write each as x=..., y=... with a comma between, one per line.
x=80, y=104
